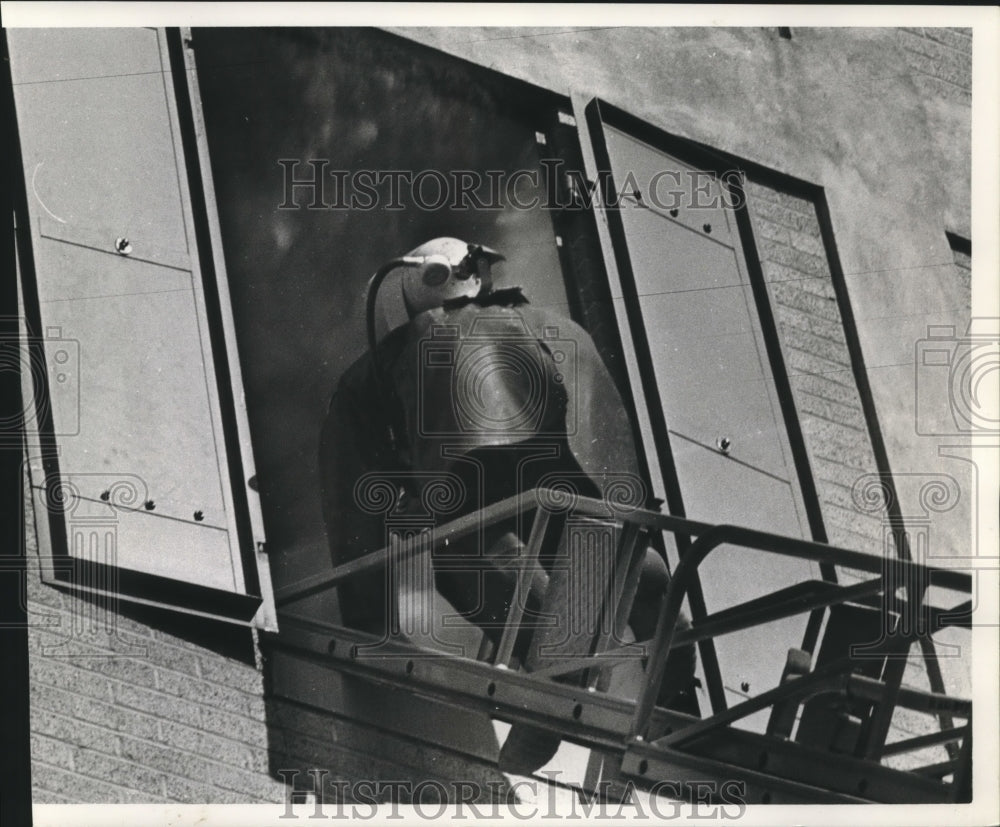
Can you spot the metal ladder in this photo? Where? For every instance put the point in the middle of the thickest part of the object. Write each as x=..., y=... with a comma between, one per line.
x=638, y=744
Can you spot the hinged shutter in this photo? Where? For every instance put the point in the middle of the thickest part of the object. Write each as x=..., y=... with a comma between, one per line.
x=706, y=376
x=130, y=463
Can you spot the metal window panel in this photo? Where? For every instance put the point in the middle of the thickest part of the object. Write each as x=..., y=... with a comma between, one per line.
x=704, y=336
x=129, y=463
x=142, y=408
x=709, y=480
x=694, y=313
x=153, y=542
x=66, y=54
x=695, y=194
x=98, y=155
x=711, y=383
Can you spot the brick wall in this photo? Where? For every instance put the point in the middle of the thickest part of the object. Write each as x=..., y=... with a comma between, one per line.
x=818, y=363
x=940, y=61
x=141, y=713
x=814, y=347
x=175, y=711
x=340, y=750
x=162, y=708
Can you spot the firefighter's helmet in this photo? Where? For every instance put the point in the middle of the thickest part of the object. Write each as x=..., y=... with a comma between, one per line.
x=444, y=269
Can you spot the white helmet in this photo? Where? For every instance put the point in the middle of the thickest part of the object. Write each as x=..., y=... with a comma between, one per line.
x=443, y=269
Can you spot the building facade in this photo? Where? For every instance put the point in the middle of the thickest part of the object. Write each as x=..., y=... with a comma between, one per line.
x=200, y=233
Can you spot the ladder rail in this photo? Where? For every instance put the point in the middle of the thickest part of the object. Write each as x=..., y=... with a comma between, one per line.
x=639, y=733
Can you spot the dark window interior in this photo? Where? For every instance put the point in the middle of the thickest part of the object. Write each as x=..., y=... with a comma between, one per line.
x=363, y=100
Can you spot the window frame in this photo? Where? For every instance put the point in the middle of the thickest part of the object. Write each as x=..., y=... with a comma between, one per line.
x=596, y=114
x=546, y=112
x=599, y=114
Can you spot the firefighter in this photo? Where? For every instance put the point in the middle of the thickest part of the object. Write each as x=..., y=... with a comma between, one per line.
x=495, y=396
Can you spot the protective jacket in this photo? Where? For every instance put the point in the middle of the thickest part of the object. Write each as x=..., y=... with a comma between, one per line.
x=478, y=400
x=499, y=397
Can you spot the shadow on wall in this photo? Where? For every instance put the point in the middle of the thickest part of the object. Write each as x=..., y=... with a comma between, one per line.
x=307, y=744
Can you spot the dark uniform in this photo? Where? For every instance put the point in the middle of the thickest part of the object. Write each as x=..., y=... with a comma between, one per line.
x=499, y=397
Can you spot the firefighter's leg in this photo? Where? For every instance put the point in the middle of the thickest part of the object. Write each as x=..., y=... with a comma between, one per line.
x=567, y=625
x=653, y=580
x=484, y=595
x=575, y=600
